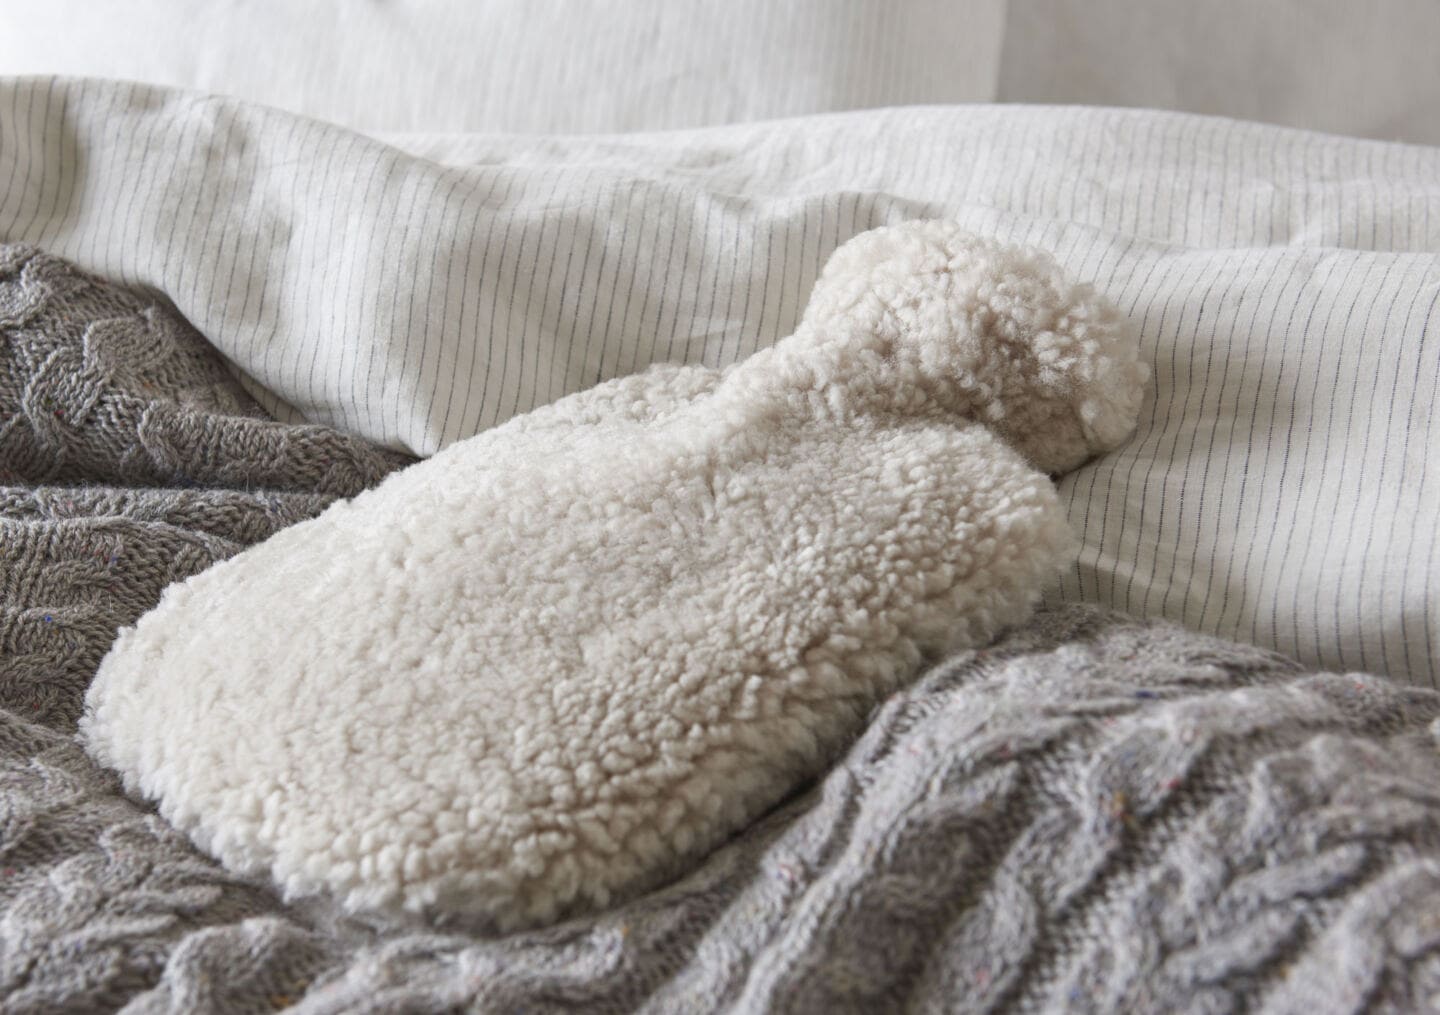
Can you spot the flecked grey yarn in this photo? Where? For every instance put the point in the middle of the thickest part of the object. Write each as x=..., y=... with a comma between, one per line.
x=129, y=458
x=1094, y=814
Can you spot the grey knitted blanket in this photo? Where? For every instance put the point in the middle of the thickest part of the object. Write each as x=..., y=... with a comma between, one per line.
x=1095, y=814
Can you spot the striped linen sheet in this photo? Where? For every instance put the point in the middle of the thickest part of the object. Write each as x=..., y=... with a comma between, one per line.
x=1283, y=488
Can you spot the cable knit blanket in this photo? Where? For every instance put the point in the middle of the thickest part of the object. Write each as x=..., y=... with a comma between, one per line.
x=1094, y=814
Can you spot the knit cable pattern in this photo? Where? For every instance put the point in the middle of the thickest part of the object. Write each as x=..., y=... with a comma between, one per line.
x=1094, y=814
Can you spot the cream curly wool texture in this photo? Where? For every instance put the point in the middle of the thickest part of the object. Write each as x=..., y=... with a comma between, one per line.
x=559, y=661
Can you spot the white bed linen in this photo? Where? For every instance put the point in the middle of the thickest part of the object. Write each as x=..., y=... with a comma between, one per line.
x=613, y=65
x=1283, y=486
x=525, y=65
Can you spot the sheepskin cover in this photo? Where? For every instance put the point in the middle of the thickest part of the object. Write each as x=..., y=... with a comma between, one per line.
x=1093, y=815
x=558, y=662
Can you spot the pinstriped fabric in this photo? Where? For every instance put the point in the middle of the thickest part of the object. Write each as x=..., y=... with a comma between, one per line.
x=1280, y=489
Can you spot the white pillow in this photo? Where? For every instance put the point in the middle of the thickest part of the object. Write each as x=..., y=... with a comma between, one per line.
x=558, y=661
x=535, y=66
x=525, y=65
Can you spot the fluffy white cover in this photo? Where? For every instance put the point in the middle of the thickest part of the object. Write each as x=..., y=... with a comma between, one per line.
x=558, y=661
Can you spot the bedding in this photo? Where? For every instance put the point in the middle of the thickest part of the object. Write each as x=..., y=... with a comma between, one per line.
x=546, y=66
x=526, y=65
x=562, y=660
x=1279, y=489
x=1093, y=814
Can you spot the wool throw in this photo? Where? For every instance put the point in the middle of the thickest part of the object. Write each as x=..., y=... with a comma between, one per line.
x=1092, y=815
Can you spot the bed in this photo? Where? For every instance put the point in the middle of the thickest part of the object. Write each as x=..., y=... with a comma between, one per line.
x=1204, y=776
